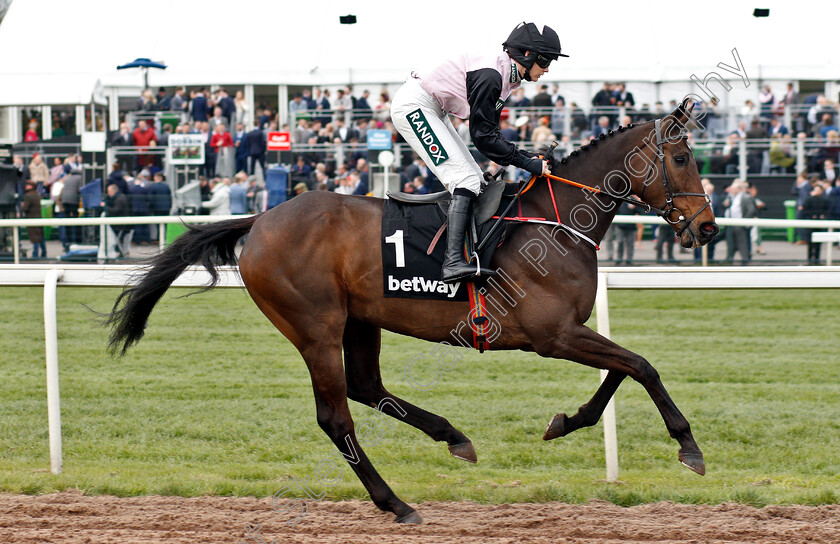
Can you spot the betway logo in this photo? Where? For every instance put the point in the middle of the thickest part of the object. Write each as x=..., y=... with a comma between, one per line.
x=422, y=285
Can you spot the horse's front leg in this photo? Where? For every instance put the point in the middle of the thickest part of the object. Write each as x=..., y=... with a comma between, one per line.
x=583, y=345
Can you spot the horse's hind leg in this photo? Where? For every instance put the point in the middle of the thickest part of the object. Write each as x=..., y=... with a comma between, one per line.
x=585, y=346
x=324, y=362
x=362, y=344
x=588, y=414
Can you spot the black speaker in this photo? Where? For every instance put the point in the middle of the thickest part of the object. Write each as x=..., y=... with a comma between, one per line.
x=8, y=186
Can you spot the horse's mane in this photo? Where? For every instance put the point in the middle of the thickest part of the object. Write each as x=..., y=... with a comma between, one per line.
x=594, y=141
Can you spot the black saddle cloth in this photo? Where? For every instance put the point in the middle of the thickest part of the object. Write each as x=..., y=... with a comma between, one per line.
x=407, y=233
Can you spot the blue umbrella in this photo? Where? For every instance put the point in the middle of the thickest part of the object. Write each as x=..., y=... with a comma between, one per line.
x=144, y=64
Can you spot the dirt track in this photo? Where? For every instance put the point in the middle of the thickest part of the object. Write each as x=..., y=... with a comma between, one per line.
x=74, y=518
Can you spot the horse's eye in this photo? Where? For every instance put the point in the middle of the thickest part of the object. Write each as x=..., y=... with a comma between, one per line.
x=681, y=160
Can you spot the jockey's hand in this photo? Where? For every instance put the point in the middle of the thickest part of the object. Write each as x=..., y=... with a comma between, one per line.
x=545, y=169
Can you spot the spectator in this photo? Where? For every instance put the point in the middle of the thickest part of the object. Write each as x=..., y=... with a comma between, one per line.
x=382, y=111
x=116, y=205
x=748, y=113
x=255, y=142
x=30, y=208
x=31, y=134
x=816, y=206
x=834, y=201
x=198, y=106
x=343, y=107
x=829, y=172
x=300, y=188
x=239, y=194
x=124, y=137
x=222, y=144
x=802, y=189
x=228, y=107
x=144, y=136
x=825, y=126
x=56, y=189
x=241, y=108
x=138, y=200
x=830, y=151
x=665, y=238
x=164, y=103
x=160, y=196
x=217, y=119
x=626, y=235
x=542, y=99
x=178, y=102
x=558, y=117
x=209, y=151
x=755, y=154
x=39, y=174
x=739, y=205
x=623, y=97
x=781, y=152
x=776, y=127
x=364, y=111
x=603, y=103
x=70, y=196
x=265, y=118
x=165, y=132
x=767, y=101
x=219, y=203
x=344, y=132
x=147, y=101
x=602, y=127
x=419, y=184
x=241, y=146
x=755, y=231
x=297, y=108
x=542, y=134
x=56, y=172
x=322, y=104
x=508, y=133
x=717, y=210
x=359, y=188
x=310, y=102
x=257, y=196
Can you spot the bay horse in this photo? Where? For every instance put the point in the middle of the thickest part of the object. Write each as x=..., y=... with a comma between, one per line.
x=313, y=265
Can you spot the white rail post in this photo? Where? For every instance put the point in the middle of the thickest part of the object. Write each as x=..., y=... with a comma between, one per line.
x=828, y=250
x=602, y=312
x=162, y=236
x=53, y=397
x=16, y=242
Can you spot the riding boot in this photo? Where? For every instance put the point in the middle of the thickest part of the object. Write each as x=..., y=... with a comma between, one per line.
x=455, y=265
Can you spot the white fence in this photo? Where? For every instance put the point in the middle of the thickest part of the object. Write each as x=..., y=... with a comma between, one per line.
x=17, y=224
x=608, y=278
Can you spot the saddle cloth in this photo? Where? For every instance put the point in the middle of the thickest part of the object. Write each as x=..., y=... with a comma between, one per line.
x=407, y=233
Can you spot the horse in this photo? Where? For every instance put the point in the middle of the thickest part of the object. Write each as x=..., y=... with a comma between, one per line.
x=313, y=266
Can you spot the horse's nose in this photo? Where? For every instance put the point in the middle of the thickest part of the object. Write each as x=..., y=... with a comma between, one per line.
x=709, y=229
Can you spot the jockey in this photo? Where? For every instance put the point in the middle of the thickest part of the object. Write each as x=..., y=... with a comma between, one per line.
x=473, y=88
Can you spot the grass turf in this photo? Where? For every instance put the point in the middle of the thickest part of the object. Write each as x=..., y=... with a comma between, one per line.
x=215, y=401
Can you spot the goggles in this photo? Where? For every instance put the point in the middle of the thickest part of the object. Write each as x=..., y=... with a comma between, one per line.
x=543, y=62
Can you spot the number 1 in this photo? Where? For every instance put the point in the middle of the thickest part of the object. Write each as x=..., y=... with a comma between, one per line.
x=397, y=240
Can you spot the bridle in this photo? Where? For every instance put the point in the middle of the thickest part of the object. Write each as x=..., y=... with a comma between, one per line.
x=669, y=209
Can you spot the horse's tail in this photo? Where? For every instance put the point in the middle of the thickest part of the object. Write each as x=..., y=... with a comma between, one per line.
x=210, y=244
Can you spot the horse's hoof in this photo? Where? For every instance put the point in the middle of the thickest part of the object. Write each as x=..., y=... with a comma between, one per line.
x=556, y=428
x=412, y=518
x=464, y=451
x=694, y=461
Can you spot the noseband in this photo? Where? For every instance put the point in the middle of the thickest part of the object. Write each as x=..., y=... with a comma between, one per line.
x=669, y=211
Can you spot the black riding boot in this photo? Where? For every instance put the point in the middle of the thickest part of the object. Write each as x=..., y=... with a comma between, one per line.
x=455, y=265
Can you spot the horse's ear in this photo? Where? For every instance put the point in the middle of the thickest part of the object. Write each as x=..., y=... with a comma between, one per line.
x=676, y=122
x=683, y=111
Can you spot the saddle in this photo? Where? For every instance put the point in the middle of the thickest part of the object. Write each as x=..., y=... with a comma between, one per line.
x=485, y=206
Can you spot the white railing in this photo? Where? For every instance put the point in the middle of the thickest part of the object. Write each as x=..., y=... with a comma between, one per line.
x=17, y=224
x=608, y=278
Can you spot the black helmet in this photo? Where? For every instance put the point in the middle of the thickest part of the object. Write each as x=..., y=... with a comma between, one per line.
x=544, y=46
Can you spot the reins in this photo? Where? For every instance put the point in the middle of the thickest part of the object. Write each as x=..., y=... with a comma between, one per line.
x=666, y=211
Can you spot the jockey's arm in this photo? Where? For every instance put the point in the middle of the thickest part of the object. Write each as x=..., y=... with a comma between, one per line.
x=484, y=87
